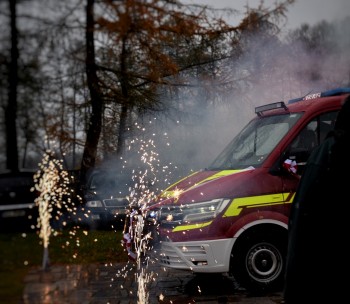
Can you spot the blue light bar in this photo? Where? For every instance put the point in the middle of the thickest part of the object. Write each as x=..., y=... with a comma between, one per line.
x=334, y=92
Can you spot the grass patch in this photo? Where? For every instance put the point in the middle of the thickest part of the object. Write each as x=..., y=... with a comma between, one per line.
x=20, y=251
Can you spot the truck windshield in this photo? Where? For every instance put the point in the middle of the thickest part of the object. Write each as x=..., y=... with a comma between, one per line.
x=255, y=142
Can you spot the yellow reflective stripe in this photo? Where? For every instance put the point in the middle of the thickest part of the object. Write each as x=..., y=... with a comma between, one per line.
x=167, y=193
x=238, y=204
x=221, y=174
x=249, y=202
x=180, y=181
x=191, y=227
x=291, y=197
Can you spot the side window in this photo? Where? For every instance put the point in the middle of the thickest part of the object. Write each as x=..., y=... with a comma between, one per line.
x=309, y=138
x=326, y=124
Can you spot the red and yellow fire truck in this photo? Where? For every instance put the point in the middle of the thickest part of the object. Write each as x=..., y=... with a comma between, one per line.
x=232, y=217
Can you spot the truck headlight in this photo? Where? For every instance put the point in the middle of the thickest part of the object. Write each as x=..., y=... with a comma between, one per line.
x=94, y=204
x=191, y=213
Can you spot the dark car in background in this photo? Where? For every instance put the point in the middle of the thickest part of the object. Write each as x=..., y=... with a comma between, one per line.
x=105, y=200
x=17, y=207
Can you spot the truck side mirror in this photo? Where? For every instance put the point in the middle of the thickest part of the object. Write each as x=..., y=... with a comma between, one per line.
x=299, y=157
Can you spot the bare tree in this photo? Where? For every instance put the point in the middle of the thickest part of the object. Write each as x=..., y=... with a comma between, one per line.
x=11, y=107
x=145, y=50
x=137, y=54
x=94, y=127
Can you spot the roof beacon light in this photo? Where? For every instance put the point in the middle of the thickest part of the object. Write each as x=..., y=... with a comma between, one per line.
x=334, y=92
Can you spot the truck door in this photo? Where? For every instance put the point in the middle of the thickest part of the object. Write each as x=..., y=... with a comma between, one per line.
x=299, y=150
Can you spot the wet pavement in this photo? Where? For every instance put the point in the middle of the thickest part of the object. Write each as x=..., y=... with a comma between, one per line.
x=125, y=283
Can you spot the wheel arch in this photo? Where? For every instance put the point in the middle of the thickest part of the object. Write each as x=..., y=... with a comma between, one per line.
x=258, y=233
x=262, y=226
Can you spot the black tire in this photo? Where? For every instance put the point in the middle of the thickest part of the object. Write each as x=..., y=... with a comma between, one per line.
x=258, y=262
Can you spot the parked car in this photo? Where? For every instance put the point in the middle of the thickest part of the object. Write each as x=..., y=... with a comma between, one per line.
x=105, y=200
x=17, y=207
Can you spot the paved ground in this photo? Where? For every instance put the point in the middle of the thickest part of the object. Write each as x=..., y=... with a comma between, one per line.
x=130, y=283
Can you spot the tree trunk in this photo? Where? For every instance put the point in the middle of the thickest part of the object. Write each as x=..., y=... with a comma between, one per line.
x=95, y=122
x=124, y=110
x=11, y=107
x=122, y=129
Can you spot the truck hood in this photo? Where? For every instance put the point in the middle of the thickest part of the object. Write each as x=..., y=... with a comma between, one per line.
x=189, y=188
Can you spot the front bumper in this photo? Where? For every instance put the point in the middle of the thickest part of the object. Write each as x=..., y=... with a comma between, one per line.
x=211, y=256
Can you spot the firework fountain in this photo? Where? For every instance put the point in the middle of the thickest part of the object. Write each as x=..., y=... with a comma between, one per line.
x=52, y=184
x=135, y=241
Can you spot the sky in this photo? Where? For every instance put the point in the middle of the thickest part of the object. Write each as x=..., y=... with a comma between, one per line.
x=302, y=11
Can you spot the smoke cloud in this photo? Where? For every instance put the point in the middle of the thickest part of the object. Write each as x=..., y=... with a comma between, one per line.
x=269, y=71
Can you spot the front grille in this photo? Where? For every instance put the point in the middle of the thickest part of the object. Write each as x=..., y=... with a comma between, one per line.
x=116, y=202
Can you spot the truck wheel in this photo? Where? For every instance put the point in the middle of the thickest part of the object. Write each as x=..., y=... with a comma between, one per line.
x=258, y=263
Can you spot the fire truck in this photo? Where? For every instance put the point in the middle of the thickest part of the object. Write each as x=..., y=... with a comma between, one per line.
x=232, y=217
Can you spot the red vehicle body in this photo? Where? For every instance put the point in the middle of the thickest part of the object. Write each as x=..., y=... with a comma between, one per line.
x=232, y=217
